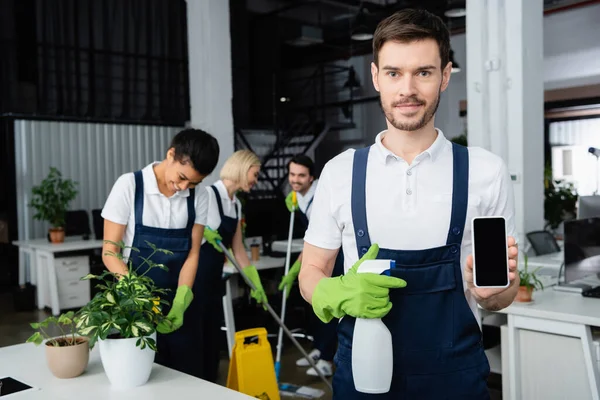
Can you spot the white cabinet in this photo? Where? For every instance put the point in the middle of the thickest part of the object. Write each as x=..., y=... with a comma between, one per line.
x=72, y=291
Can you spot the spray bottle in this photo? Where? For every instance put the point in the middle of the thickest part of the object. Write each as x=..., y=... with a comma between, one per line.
x=372, y=356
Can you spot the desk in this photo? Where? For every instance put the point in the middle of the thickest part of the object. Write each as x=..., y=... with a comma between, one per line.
x=43, y=266
x=27, y=363
x=281, y=245
x=265, y=262
x=548, y=349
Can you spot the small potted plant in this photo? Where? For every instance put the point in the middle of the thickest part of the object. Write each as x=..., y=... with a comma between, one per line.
x=528, y=283
x=122, y=318
x=51, y=201
x=67, y=354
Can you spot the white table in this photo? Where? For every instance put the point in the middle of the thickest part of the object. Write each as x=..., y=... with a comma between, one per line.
x=548, y=349
x=281, y=245
x=41, y=254
x=265, y=262
x=27, y=363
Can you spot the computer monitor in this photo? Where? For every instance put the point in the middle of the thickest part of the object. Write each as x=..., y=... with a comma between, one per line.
x=582, y=248
x=589, y=207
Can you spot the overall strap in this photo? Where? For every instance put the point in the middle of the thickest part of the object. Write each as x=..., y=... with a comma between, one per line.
x=460, y=193
x=139, y=197
x=191, y=209
x=218, y=197
x=359, y=203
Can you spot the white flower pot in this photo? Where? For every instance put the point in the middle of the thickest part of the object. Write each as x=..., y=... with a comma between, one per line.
x=125, y=364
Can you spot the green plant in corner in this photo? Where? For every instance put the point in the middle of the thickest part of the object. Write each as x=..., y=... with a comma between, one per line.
x=128, y=306
x=65, y=323
x=462, y=139
x=528, y=278
x=51, y=198
x=560, y=200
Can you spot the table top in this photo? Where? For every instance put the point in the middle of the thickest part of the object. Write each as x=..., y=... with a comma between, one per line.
x=559, y=306
x=27, y=363
x=264, y=262
x=70, y=244
x=281, y=245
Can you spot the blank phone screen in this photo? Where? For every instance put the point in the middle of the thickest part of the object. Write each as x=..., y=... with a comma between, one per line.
x=489, y=244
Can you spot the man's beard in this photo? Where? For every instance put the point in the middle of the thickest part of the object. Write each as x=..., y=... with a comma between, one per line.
x=411, y=126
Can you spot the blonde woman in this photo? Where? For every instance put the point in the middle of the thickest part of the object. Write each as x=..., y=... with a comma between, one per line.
x=240, y=172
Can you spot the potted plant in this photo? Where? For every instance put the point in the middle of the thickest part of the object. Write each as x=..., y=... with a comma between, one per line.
x=67, y=355
x=51, y=200
x=122, y=317
x=528, y=283
x=560, y=200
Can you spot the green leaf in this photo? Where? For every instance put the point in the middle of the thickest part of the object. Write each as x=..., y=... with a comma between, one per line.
x=36, y=338
x=86, y=331
x=110, y=297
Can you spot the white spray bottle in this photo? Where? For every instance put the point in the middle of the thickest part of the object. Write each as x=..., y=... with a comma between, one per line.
x=372, y=357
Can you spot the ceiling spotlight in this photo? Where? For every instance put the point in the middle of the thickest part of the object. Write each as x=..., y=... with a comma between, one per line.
x=361, y=33
x=284, y=99
x=455, y=66
x=456, y=12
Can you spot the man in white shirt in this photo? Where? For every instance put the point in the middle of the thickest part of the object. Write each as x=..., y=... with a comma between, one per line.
x=160, y=205
x=301, y=177
x=413, y=193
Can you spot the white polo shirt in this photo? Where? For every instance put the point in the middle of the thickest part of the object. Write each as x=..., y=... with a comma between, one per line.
x=160, y=211
x=213, y=219
x=408, y=206
x=304, y=200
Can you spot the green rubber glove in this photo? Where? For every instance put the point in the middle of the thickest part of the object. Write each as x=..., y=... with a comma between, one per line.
x=288, y=280
x=290, y=203
x=212, y=237
x=364, y=295
x=259, y=294
x=174, y=321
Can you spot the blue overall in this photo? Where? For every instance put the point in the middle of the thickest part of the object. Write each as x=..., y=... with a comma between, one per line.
x=437, y=343
x=209, y=291
x=302, y=214
x=325, y=334
x=174, y=349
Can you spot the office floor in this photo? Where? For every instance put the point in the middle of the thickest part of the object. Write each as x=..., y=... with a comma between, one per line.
x=15, y=329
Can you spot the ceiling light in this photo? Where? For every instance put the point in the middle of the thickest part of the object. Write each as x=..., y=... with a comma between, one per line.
x=455, y=66
x=361, y=33
x=456, y=12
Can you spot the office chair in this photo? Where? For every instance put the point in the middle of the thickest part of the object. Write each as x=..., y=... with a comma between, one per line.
x=543, y=242
x=98, y=223
x=77, y=223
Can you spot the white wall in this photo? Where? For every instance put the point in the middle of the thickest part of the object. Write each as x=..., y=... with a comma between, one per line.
x=571, y=58
x=209, y=52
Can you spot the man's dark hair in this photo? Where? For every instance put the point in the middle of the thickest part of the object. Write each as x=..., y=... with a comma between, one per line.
x=198, y=147
x=410, y=25
x=305, y=161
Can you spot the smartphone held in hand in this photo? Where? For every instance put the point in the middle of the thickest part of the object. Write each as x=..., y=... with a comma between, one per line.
x=490, y=252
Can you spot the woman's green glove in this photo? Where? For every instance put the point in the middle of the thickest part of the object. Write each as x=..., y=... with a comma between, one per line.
x=288, y=280
x=290, y=202
x=259, y=294
x=364, y=295
x=212, y=237
x=174, y=320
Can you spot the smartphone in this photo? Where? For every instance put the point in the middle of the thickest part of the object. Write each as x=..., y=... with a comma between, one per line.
x=490, y=252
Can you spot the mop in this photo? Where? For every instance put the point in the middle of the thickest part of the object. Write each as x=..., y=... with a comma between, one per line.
x=288, y=255
x=276, y=317
x=287, y=389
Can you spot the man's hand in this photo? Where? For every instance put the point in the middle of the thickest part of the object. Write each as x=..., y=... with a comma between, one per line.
x=364, y=295
x=288, y=280
x=496, y=299
x=291, y=202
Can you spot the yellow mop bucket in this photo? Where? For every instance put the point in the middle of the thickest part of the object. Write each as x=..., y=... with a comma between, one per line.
x=251, y=370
